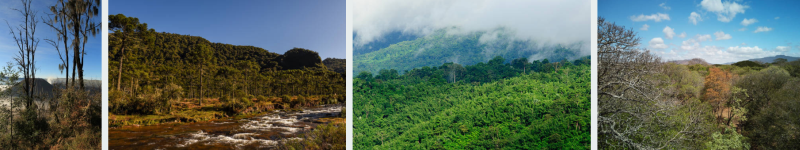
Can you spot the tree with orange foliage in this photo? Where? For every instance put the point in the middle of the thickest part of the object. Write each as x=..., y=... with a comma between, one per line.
x=718, y=88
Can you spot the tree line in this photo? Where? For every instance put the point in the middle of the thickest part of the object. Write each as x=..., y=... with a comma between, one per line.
x=143, y=61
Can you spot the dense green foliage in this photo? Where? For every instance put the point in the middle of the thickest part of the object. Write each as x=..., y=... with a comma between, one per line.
x=153, y=63
x=449, y=45
x=770, y=98
x=483, y=106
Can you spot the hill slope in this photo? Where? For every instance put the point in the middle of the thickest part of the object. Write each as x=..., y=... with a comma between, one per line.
x=449, y=45
x=420, y=110
x=771, y=59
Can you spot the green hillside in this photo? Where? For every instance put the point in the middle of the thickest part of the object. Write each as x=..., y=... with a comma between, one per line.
x=518, y=105
x=445, y=45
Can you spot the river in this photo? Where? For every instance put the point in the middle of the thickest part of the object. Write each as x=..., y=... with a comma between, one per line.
x=261, y=132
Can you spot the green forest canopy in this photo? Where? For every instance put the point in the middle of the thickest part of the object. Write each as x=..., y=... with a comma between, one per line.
x=518, y=105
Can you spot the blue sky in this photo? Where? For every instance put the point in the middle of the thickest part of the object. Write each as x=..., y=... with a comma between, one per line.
x=719, y=31
x=276, y=26
x=46, y=55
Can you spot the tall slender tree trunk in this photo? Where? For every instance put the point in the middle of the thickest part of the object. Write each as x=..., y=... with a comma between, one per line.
x=119, y=74
x=201, y=86
x=76, y=49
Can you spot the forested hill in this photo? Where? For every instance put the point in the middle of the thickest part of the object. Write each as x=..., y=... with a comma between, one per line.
x=335, y=64
x=492, y=105
x=171, y=47
x=451, y=45
x=151, y=60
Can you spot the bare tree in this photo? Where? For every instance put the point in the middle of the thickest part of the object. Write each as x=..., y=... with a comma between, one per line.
x=633, y=113
x=24, y=36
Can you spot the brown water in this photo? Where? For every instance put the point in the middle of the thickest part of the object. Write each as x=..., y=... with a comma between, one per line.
x=262, y=132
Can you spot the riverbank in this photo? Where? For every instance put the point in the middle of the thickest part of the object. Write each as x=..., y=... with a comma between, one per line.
x=189, y=111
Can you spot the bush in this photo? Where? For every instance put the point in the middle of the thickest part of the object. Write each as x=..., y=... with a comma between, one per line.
x=117, y=103
x=285, y=99
x=245, y=102
x=301, y=101
x=329, y=136
x=224, y=99
x=172, y=94
x=262, y=99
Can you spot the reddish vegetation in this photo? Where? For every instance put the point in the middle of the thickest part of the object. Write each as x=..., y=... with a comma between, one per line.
x=717, y=88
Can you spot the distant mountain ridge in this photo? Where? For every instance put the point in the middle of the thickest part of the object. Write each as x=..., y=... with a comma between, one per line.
x=770, y=59
x=452, y=45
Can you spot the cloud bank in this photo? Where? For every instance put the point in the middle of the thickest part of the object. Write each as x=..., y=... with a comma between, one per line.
x=554, y=22
x=725, y=10
x=655, y=17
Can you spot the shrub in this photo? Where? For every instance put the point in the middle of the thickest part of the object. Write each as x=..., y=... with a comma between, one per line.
x=246, y=102
x=224, y=99
x=301, y=101
x=262, y=99
x=329, y=136
x=285, y=99
x=116, y=101
x=172, y=94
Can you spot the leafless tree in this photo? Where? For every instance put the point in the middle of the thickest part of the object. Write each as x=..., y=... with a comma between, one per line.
x=633, y=113
x=24, y=36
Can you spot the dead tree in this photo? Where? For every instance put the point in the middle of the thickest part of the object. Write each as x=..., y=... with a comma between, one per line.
x=24, y=37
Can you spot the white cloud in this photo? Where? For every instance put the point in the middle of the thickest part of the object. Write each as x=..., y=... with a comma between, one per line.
x=703, y=38
x=682, y=35
x=655, y=17
x=725, y=10
x=554, y=22
x=742, y=29
x=692, y=48
x=746, y=21
x=669, y=32
x=664, y=5
x=657, y=43
x=694, y=18
x=644, y=27
x=722, y=36
x=782, y=48
x=694, y=43
x=776, y=18
x=762, y=29
x=690, y=44
x=743, y=44
x=745, y=50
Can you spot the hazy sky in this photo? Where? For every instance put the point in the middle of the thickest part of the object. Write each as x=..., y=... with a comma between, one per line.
x=276, y=26
x=47, y=58
x=549, y=22
x=719, y=31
